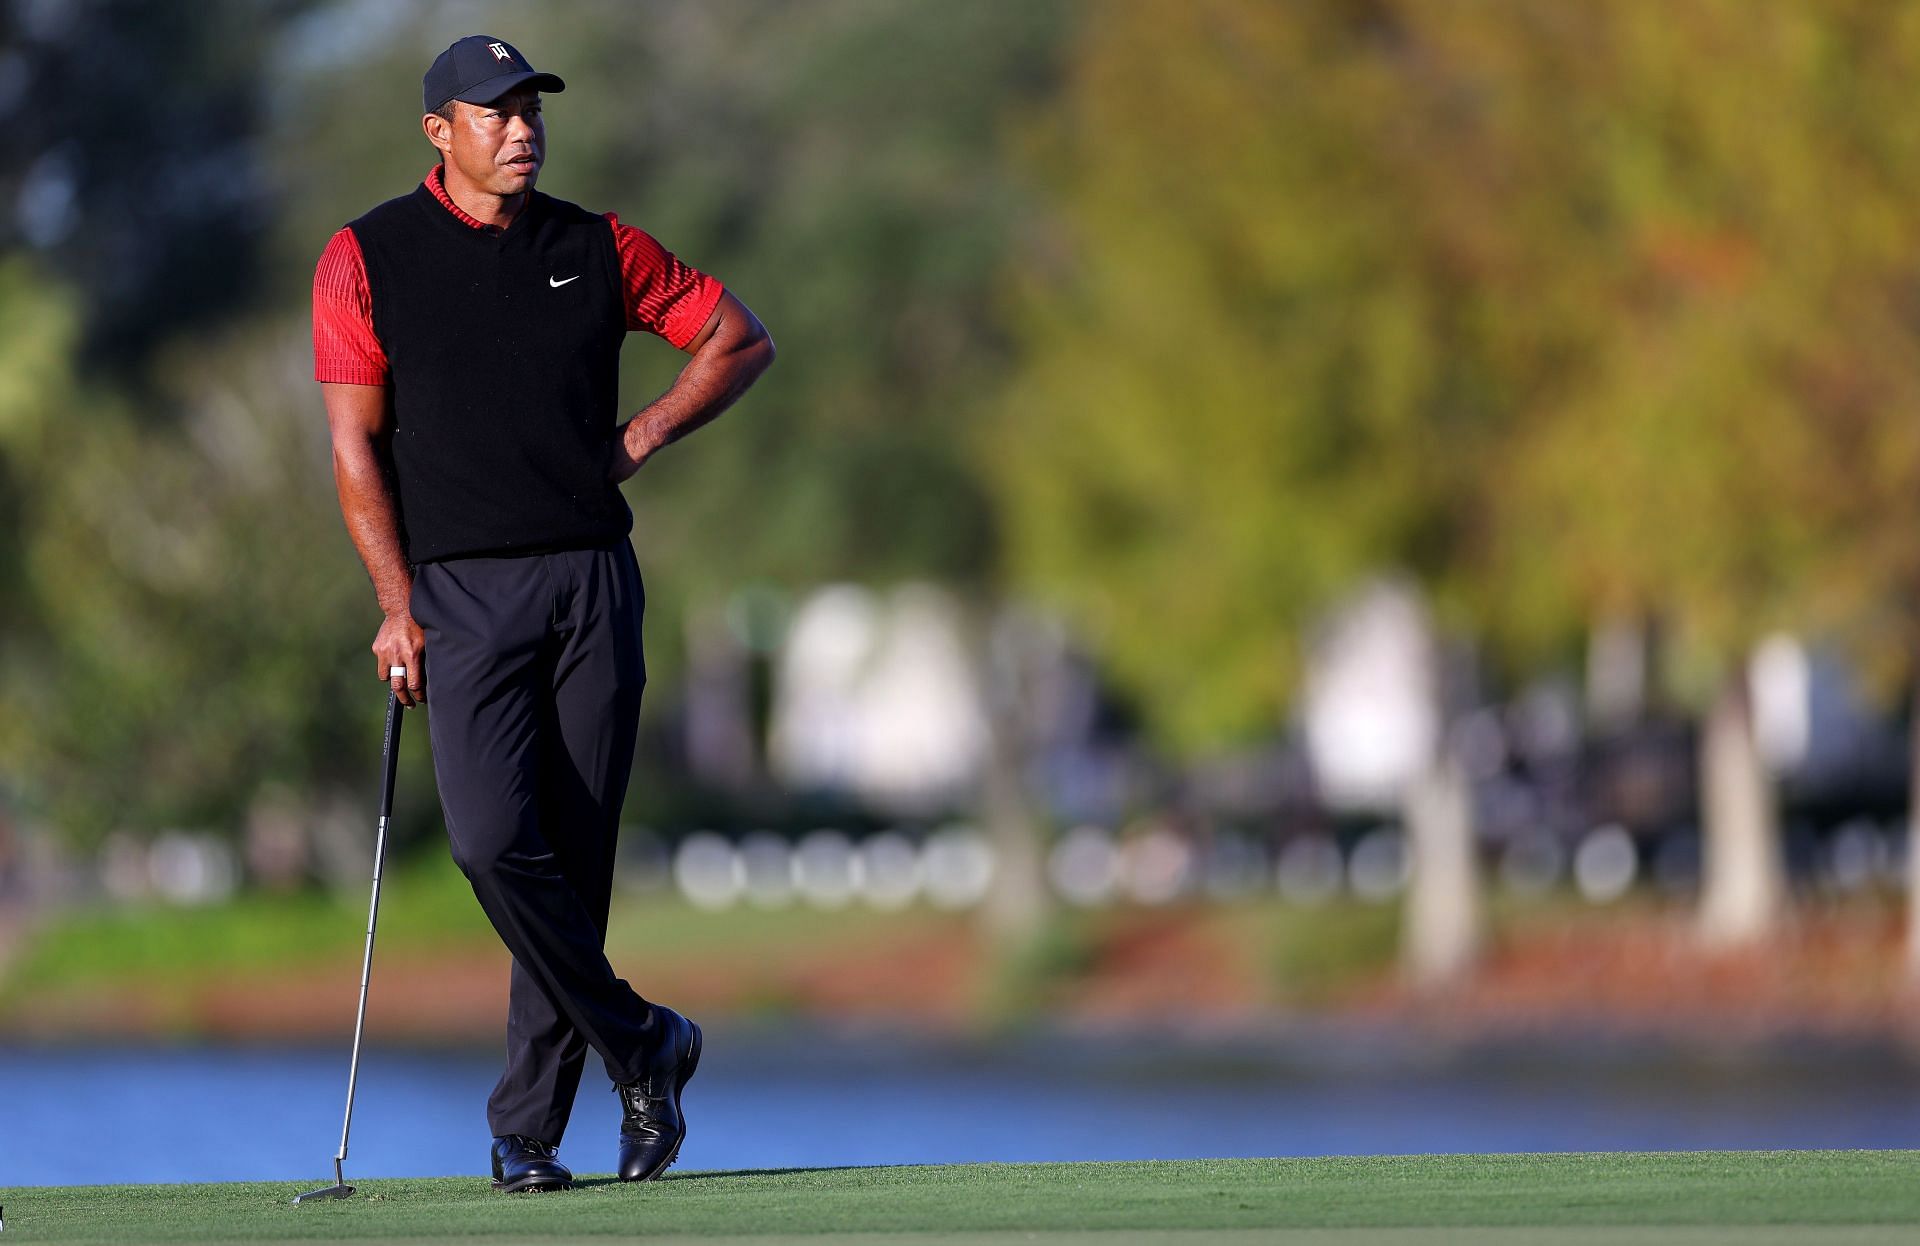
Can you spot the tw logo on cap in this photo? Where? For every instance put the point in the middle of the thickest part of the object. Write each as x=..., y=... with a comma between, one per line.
x=482, y=63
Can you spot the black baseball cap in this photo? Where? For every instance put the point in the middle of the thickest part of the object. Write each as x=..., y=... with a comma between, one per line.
x=480, y=69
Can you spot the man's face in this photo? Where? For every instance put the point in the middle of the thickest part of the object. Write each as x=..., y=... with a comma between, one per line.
x=497, y=146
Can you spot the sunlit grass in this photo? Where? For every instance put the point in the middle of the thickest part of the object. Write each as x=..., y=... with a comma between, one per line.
x=1737, y=1198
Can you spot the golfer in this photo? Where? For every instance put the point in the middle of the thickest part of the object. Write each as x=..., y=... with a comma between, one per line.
x=467, y=343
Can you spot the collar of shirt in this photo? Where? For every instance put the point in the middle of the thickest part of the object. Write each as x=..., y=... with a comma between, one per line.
x=439, y=190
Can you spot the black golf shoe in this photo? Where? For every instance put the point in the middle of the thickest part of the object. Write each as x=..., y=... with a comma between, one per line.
x=523, y=1163
x=651, y=1125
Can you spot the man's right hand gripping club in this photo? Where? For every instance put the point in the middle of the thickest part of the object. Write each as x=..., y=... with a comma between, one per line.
x=401, y=646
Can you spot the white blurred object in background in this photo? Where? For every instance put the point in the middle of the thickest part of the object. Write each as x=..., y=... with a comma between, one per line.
x=890, y=875
x=1084, y=867
x=766, y=867
x=1782, y=684
x=1811, y=720
x=1370, y=699
x=1157, y=865
x=1605, y=864
x=959, y=866
x=876, y=697
x=192, y=867
x=827, y=870
x=708, y=871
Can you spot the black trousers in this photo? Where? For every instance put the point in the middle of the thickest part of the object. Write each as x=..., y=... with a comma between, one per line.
x=534, y=672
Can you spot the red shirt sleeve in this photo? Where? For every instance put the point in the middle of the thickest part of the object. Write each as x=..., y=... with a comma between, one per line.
x=345, y=347
x=664, y=296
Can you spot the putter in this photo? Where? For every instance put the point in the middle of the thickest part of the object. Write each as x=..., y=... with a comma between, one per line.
x=389, y=762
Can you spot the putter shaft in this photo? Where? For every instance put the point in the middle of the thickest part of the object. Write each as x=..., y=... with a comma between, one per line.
x=389, y=764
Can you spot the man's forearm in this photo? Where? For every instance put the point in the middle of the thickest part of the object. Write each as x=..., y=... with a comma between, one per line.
x=705, y=388
x=372, y=516
x=718, y=373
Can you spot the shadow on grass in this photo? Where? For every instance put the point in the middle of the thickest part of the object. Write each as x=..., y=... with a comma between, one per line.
x=729, y=1172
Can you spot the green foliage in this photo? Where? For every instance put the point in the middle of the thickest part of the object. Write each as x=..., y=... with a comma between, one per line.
x=1717, y=257
x=139, y=179
x=191, y=590
x=37, y=395
x=1185, y=317
x=1572, y=312
x=1248, y=375
x=185, y=618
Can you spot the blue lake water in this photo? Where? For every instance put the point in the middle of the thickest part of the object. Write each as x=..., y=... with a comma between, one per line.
x=84, y=1115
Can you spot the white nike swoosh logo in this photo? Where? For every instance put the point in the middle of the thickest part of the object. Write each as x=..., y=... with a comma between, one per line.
x=557, y=284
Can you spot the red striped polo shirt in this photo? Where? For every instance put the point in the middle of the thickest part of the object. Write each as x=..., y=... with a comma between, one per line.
x=663, y=296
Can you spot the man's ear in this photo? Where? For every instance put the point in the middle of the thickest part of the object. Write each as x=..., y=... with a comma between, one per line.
x=439, y=131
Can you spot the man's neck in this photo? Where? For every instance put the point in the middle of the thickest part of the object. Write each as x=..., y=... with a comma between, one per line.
x=489, y=209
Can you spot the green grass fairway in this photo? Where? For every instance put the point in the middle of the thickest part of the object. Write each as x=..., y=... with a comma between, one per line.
x=1752, y=1198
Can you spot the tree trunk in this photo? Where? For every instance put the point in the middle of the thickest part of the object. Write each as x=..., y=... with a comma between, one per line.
x=1619, y=664
x=1913, y=839
x=1016, y=907
x=1743, y=888
x=721, y=734
x=1442, y=931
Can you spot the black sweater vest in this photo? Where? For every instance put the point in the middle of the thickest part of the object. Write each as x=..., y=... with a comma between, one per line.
x=504, y=352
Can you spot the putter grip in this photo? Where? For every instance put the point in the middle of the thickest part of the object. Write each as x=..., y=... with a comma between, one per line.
x=390, y=759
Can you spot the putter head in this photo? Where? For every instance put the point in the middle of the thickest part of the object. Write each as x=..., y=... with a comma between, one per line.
x=332, y=1191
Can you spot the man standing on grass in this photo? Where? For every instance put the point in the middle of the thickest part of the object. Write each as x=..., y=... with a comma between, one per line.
x=467, y=340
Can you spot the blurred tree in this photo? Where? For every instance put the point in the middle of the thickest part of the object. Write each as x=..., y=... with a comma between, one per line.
x=836, y=163
x=1579, y=314
x=1717, y=258
x=188, y=598
x=38, y=328
x=1252, y=372
x=139, y=182
x=165, y=600
x=1247, y=379
x=190, y=620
